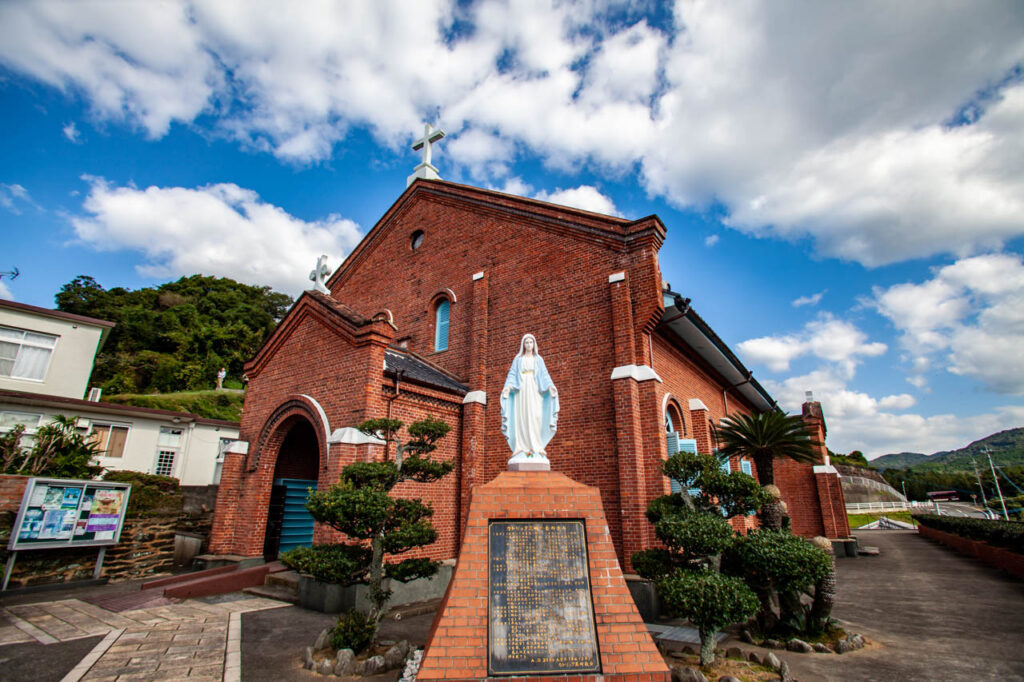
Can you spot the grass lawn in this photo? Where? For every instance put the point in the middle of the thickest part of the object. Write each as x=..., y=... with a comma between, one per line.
x=858, y=520
x=226, y=404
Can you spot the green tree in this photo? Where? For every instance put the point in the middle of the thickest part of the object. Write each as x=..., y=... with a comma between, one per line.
x=361, y=507
x=765, y=437
x=57, y=450
x=176, y=336
x=695, y=535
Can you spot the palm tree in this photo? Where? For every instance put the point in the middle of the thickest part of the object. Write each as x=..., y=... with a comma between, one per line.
x=763, y=438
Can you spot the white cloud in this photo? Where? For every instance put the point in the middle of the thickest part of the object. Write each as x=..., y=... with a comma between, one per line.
x=71, y=132
x=585, y=197
x=858, y=421
x=812, y=300
x=969, y=317
x=711, y=240
x=14, y=197
x=5, y=292
x=221, y=229
x=883, y=135
x=836, y=341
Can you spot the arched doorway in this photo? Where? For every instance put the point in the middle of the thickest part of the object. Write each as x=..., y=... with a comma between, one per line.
x=296, y=470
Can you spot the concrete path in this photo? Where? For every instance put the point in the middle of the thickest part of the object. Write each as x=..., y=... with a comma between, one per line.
x=191, y=640
x=933, y=615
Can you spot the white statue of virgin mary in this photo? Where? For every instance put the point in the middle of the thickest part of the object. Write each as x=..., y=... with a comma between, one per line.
x=529, y=403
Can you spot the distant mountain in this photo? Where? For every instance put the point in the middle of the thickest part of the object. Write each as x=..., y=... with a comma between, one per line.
x=1006, y=447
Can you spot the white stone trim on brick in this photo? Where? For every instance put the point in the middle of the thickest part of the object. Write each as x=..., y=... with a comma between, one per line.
x=826, y=469
x=697, y=404
x=475, y=397
x=478, y=275
x=635, y=372
x=352, y=436
x=616, y=277
x=320, y=412
x=239, y=447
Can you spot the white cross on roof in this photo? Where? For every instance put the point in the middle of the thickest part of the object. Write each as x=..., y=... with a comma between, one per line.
x=425, y=169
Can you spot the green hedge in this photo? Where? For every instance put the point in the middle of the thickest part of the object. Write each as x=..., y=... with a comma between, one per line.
x=1008, y=534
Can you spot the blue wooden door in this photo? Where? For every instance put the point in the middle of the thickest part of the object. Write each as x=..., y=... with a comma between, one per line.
x=296, y=522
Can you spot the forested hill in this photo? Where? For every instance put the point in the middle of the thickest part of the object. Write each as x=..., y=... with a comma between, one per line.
x=1006, y=447
x=176, y=336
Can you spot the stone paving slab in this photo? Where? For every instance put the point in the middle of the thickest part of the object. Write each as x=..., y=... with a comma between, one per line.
x=174, y=641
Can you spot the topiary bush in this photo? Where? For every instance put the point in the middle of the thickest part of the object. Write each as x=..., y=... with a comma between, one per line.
x=710, y=600
x=354, y=630
x=341, y=564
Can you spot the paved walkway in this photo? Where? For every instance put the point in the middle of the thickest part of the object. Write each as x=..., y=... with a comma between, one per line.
x=933, y=614
x=190, y=640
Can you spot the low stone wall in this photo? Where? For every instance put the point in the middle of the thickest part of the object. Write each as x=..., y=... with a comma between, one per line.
x=146, y=549
x=1004, y=559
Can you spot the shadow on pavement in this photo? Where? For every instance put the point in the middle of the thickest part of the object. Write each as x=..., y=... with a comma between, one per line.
x=43, y=662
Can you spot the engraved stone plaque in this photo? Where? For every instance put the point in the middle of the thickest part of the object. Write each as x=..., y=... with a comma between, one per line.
x=540, y=612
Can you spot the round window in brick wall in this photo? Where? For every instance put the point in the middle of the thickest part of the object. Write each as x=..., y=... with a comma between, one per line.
x=416, y=240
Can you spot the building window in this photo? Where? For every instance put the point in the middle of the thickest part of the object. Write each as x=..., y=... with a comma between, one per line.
x=10, y=419
x=110, y=439
x=441, y=325
x=416, y=240
x=167, y=446
x=25, y=354
x=219, y=464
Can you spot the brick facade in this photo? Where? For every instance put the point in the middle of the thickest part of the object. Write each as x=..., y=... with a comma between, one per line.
x=587, y=286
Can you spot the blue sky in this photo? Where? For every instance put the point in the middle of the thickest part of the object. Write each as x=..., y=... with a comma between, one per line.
x=842, y=184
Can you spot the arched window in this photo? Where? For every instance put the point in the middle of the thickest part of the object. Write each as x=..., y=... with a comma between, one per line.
x=441, y=325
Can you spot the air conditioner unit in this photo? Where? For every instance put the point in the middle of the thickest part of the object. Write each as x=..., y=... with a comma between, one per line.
x=94, y=394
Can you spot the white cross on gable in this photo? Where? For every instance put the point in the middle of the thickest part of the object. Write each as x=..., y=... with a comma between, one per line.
x=319, y=274
x=426, y=170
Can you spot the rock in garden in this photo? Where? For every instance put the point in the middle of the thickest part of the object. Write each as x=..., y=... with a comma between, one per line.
x=858, y=641
x=395, y=656
x=746, y=636
x=771, y=660
x=325, y=667
x=772, y=644
x=323, y=640
x=359, y=668
x=800, y=646
x=753, y=657
x=822, y=649
x=784, y=672
x=373, y=665
x=729, y=678
x=734, y=652
x=307, y=658
x=344, y=663
x=844, y=646
x=684, y=674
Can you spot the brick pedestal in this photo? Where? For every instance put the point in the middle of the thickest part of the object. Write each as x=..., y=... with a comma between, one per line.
x=457, y=649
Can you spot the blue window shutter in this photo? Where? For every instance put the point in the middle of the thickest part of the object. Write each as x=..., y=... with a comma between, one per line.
x=689, y=445
x=672, y=441
x=725, y=467
x=745, y=466
x=441, y=326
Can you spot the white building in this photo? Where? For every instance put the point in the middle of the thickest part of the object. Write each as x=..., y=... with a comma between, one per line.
x=46, y=358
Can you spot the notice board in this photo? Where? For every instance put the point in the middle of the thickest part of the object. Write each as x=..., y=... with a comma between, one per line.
x=58, y=512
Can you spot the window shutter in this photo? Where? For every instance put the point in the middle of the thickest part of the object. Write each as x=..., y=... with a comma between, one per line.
x=441, y=326
x=672, y=440
x=725, y=467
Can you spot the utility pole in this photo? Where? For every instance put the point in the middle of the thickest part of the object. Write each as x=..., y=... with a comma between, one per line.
x=1006, y=517
x=984, y=500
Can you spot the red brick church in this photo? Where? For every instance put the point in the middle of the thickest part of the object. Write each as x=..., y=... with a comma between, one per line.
x=424, y=317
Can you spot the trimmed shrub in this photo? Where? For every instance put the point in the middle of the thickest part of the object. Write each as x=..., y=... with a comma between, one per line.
x=151, y=495
x=354, y=630
x=1007, y=534
x=341, y=564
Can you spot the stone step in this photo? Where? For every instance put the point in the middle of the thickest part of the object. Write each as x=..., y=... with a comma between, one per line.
x=287, y=579
x=277, y=592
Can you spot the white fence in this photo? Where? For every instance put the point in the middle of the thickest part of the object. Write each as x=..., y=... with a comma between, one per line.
x=854, y=507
